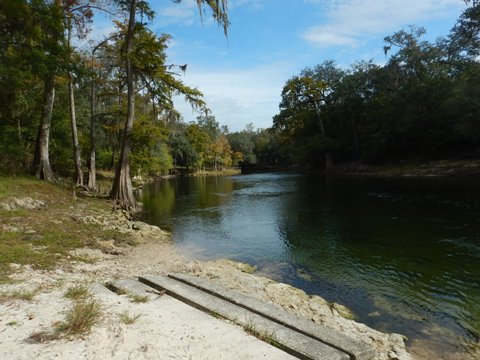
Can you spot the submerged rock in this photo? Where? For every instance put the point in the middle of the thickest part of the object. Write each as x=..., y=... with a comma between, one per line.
x=343, y=311
x=243, y=267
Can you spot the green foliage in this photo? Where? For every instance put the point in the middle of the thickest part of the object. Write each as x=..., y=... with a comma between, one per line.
x=209, y=125
x=150, y=153
x=221, y=153
x=200, y=142
x=243, y=142
x=29, y=49
x=465, y=36
x=35, y=47
x=420, y=105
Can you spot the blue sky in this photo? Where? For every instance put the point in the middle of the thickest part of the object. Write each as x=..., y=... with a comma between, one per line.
x=271, y=40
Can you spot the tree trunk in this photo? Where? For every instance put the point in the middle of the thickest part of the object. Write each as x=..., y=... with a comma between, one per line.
x=122, y=190
x=41, y=162
x=355, y=137
x=328, y=164
x=92, y=172
x=76, y=146
x=323, y=133
x=319, y=120
x=19, y=130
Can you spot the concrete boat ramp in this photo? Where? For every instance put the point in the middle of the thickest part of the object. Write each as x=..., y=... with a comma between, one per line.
x=292, y=334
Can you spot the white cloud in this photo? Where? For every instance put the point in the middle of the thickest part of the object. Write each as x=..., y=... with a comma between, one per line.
x=328, y=36
x=183, y=13
x=238, y=96
x=348, y=22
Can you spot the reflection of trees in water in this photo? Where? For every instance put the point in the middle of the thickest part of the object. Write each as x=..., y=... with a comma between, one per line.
x=391, y=246
x=159, y=199
x=163, y=199
x=211, y=191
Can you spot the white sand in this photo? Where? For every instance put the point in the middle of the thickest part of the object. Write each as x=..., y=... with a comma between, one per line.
x=166, y=329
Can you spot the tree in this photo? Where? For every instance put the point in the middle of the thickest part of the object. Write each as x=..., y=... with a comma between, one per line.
x=19, y=37
x=465, y=35
x=149, y=146
x=77, y=14
x=91, y=162
x=209, y=124
x=54, y=59
x=122, y=192
x=201, y=143
x=78, y=177
x=52, y=54
x=304, y=98
x=222, y=153
x=244, y=142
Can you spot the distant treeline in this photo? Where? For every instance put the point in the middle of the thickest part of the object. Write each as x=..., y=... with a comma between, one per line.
x=422, y=104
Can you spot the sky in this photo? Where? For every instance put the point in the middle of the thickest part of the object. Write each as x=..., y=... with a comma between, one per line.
x=269, y=41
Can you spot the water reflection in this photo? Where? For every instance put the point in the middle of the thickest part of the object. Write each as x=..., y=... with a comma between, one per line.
x=402, y=253
x=197, y=194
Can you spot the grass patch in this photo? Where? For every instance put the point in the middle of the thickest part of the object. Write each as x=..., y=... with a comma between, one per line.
x=21, y=185
x=41, y=254
x=267, y=336
x=80, y=318
x=26, y=295
x=128, y=319
x=5, y=279
x=44, y=238
x=136, y=298
x=77, y=292
x=121, y=239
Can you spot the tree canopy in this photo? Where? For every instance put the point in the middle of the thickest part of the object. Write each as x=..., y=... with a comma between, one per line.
x=421, y=104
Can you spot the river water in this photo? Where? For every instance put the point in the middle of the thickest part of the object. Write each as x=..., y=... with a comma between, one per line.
x=402, y=253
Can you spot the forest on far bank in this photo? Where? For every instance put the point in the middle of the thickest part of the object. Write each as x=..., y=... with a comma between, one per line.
x=67, y=111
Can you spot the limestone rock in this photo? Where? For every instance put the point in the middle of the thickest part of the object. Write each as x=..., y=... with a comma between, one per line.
x=331, y=315
x=21, y=203
x=88, y=253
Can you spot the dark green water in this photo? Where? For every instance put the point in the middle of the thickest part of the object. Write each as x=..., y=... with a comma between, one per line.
x=402, y=253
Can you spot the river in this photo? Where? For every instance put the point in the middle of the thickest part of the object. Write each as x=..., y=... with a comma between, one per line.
x=402, y=253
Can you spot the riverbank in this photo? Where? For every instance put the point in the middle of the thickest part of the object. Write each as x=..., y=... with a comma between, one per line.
x=445, y=168
x=439, y=168
x=53, y=240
